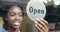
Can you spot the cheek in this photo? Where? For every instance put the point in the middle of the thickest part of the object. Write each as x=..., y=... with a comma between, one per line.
x=21, y=18
x=10, y=19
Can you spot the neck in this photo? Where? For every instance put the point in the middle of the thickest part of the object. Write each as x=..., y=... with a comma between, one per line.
x=12, y=30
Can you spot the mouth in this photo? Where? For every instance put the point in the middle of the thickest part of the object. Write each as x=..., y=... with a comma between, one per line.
x=16, y=23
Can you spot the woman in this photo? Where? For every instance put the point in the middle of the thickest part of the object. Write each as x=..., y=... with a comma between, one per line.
x=13, y=16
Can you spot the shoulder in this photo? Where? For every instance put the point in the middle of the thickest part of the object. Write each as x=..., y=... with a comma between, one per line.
x=2, y=30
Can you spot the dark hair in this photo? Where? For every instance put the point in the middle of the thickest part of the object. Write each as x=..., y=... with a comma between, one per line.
x=5, y=10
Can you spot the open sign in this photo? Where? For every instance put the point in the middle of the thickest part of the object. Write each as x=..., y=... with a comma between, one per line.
x=35, y=9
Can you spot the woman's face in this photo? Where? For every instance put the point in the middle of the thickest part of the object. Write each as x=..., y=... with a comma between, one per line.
x=14, y=17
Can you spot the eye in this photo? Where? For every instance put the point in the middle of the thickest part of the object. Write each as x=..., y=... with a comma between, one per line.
x=20, y=15
x=12, y=15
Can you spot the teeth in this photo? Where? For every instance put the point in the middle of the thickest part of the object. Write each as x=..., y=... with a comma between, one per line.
x=16, y=23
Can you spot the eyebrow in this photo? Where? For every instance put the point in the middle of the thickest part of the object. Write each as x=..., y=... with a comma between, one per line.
x=13, y=12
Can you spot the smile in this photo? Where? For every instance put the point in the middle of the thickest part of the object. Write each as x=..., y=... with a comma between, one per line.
x=16, y=23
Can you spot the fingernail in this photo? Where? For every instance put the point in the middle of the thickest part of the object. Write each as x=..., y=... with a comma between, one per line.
x=41, y=18
x=37, y=19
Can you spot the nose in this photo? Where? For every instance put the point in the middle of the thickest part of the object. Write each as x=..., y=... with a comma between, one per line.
x=17, y=17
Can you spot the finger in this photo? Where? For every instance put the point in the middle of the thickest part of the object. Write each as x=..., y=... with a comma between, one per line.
x=42, y=23
x=38, y=29
x=44, y=20
x=41, y=27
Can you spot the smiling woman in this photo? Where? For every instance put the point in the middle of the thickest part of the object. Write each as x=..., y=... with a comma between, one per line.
x=12, y=18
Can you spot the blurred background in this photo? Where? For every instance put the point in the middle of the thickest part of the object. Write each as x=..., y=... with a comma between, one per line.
x=52, y=15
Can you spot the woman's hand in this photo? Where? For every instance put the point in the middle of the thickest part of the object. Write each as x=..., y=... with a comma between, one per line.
x=41, y=25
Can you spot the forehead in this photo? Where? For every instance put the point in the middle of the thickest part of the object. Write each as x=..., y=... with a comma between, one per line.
x=15, y=9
